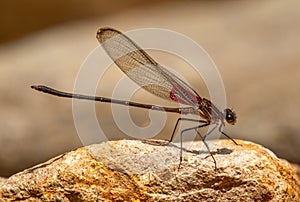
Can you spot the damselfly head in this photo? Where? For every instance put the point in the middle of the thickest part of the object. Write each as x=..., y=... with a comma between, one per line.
x=230, y=116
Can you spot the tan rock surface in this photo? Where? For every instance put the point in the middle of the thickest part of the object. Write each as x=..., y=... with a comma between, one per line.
x=255, y=45
x=297, y=168
x=148, y=170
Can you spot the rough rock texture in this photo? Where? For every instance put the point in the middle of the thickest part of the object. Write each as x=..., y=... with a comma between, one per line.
x=255, y=45
x=297, y=168
x=148, y=170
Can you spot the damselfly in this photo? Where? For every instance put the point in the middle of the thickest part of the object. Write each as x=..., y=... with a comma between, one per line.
x=156, y=79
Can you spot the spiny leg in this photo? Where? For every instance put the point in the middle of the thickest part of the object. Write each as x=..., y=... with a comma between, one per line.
x=207, y=147
x=220, y=129
x=185, y=130
x=184, y=119
x=202, y=137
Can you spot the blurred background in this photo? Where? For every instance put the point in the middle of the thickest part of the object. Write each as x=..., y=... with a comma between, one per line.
x=255, y=45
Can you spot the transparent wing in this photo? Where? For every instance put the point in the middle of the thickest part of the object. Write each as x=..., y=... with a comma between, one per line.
x=144, y=70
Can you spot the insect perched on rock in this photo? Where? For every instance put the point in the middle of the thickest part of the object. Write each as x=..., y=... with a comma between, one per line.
x=156, y=79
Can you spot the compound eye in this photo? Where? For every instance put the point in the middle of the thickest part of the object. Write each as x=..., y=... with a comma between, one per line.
x=230, y=116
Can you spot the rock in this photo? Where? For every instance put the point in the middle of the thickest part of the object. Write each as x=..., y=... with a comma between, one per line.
x=134, y=170
x=297, y=168
x=255, y=45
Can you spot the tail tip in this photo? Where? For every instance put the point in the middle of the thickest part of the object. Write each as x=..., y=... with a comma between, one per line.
x=34, y=87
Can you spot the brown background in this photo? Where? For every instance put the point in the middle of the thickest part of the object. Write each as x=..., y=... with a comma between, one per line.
x=255, y=45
